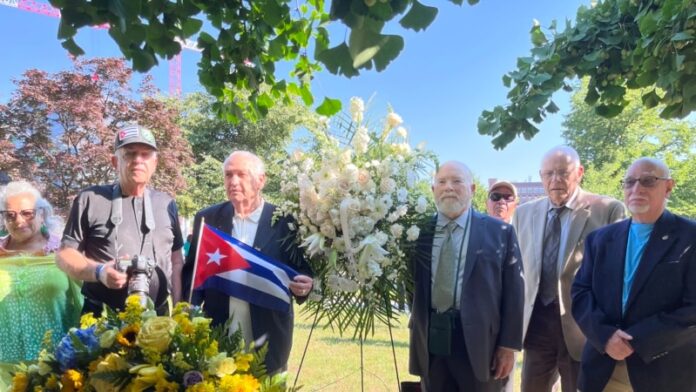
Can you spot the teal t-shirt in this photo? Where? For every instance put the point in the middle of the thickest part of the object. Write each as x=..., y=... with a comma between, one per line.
x=638, y=236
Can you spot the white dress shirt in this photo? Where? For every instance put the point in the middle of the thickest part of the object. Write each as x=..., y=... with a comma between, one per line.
x=244, y=229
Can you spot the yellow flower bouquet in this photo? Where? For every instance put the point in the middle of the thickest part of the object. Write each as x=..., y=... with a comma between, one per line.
x=136, y=350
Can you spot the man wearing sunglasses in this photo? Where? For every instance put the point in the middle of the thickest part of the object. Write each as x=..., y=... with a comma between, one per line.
x=551, y=233
x=119, y=221
x=502, y=201
x=635, y=294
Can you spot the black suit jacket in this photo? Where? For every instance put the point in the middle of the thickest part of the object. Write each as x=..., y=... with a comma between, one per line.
x=492, y=295
x=660, y=311
x=273, y=239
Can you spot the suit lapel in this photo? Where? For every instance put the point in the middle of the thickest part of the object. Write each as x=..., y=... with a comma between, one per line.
x=538, y=226
x=223, y=218
x=424, y=256
x=578, y=220
x=264, y=232
x=474, y=245
x=661, y=240
x=613, y=270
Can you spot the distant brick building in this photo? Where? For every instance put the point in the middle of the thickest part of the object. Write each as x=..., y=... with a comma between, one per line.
x=526, y=190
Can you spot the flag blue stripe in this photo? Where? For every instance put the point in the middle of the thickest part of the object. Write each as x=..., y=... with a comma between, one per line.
x=291, y=272
x=246, y=293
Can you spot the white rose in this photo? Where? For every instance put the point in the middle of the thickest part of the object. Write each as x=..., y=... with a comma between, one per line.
x=412, y=233
x=397, y=230
x=387, y=185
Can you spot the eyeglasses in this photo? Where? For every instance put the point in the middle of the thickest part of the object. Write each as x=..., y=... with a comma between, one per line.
x=645, y=181
x=495, y=196
x=549, y=174
x=27, y=215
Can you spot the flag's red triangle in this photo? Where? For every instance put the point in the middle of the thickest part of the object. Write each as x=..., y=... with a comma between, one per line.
x=215, y=255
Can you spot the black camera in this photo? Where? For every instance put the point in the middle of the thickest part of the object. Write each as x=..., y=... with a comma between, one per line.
x=139, y=270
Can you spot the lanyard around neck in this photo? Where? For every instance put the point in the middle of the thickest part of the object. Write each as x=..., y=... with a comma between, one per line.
x=117, y=219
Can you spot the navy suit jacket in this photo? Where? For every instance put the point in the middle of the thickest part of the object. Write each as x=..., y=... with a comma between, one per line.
x=660, y=311
x=275, y=240
x=491, y=299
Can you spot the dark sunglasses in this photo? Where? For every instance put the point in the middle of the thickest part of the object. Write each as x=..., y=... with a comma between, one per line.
x=12, y=215
x=645, y=181
x=495, y=196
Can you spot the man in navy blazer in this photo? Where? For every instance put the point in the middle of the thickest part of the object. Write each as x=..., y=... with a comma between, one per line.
x=473, y=349
x=635, y=294
x=250, y=219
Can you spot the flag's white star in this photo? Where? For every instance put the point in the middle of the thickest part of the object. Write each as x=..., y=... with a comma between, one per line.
x=215, y=257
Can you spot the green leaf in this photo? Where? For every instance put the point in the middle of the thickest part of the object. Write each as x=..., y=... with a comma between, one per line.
x=507, y=80
x=306, y=95
x=273, y=13
x=329, y=107
x=538, y=37
x=552, y=108
x=71, y=46
x=390, y=51
x=117, y=8
x=608, y=111
x=651, y=99
x=419, y=17
x=683, y=36
x=191, y=26
x=66, y=30
x=364, y=45
x=338, y=60
x=143, y=60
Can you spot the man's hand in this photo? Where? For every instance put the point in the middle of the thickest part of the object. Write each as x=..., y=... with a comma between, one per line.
x=503, y=362
x=111, y=277
x=301, y=285
x=618, y=346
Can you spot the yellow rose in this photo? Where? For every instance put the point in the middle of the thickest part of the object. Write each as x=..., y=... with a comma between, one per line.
x=220, y=365
x=156, y=334
x=148, y=376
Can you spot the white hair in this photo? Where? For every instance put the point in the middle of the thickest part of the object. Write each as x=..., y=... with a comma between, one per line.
x=53, y=223
x=256, y=165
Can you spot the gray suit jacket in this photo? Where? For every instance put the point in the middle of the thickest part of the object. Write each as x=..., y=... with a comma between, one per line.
x=591, y=212
x=491, y=296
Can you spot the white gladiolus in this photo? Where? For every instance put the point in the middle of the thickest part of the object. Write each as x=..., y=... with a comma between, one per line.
x=402, y=195
x=421, y=205
x=412, y=233
x=394, y=120
x=401, y=131
x=357, y=108
x=361, y=140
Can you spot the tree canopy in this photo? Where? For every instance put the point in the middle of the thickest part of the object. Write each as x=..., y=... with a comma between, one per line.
x=242, y=41
x=58, y=129
x=619, y=45
x=639, y=132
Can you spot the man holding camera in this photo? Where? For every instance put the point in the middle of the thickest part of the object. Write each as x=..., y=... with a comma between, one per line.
x=124, y=237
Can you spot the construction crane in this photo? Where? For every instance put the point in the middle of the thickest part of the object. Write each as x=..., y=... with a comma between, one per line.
x=48, y=10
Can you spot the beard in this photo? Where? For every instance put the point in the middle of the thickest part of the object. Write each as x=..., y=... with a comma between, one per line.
x=452, y=207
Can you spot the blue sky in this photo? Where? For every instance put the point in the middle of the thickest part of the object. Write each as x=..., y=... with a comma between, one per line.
x=443, y=79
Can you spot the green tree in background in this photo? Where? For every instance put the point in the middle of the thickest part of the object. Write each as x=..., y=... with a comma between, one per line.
x=620, y=46
x=608, y=146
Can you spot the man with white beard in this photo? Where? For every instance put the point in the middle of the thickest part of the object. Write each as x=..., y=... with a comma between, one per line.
x=466, y=320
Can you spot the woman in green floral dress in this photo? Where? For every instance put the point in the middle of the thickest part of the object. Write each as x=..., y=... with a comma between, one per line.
x=35, y=296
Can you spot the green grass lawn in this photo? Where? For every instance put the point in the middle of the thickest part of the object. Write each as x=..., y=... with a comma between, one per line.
x=332, y=362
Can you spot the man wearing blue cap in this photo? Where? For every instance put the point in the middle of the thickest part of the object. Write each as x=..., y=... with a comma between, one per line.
x=122, y=220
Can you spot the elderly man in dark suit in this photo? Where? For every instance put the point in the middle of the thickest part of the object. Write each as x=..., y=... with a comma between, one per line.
x=250, y=219
x=635, y=294
x=466, y=319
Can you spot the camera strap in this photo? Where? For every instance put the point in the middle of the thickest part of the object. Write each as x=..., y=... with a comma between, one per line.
x=117, y=219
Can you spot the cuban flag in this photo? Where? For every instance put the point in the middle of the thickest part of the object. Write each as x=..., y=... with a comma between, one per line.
x=235, y=268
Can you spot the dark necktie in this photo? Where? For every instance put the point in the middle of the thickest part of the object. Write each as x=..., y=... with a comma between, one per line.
x=549, y=260
x=444, y=286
